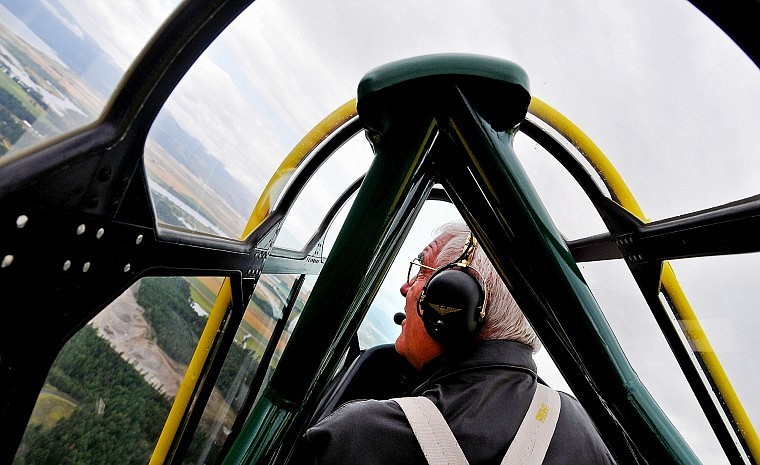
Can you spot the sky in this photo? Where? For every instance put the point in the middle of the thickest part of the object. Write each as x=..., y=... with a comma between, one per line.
x=666, y=96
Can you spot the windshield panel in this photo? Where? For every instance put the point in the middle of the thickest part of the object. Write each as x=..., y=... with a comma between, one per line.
x=60, y=61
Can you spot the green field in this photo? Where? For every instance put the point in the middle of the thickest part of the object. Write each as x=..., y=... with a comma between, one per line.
x=51, y=407
x=17, y=91
x=202, y=295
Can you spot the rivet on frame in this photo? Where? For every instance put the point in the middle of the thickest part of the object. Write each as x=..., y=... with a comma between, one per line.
x=81, y=229
x=7, y=260
x=100, y=233
x=66, y=265
x=21, y=221
x=86, y=267
x=139, y=239
x=127, y=267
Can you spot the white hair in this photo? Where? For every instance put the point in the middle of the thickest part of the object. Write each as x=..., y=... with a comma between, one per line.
x=504, y=319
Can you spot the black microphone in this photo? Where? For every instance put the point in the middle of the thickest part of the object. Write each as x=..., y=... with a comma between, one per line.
x=399, y=317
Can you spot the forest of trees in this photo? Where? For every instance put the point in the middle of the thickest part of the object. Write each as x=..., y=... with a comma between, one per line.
x=177, y=327
x=13, y=105
x=89, y=370
x=10, y=128
x=11, y=112
x=168, y=309
x=91, y=373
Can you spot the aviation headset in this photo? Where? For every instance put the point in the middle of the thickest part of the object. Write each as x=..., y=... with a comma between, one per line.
x=452, y=302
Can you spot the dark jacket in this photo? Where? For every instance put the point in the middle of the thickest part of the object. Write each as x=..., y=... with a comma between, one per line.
x=483, y=396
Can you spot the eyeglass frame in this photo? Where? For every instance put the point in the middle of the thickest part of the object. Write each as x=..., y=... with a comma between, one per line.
x=462, y=262
x=416, y=262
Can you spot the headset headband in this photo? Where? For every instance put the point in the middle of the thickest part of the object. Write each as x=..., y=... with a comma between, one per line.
x=465, y=261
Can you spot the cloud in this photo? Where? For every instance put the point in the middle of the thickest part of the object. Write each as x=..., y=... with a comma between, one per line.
x=65, y=19
x=223, y=122
x=653, y=85
x=121, y=28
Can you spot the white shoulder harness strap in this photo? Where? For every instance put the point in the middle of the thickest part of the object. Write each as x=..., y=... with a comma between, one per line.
x=441, y=448
x=433, y=433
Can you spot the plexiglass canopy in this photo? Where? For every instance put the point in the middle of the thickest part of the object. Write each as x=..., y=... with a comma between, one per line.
x=667, y=96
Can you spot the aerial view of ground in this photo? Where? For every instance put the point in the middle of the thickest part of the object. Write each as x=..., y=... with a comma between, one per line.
x=126, y=329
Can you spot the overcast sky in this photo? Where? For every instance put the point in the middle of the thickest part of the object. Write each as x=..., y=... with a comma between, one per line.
x=668, y=98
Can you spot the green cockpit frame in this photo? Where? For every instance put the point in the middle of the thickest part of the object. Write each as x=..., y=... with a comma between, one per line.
x=450, y=120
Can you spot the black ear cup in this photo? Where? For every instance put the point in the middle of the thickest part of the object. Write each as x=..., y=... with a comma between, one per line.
x=450, y=306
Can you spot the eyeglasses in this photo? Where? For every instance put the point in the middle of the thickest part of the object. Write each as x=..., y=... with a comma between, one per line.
x=415, y=268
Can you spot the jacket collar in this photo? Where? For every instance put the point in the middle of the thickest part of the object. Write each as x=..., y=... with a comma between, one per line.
x=497, y=353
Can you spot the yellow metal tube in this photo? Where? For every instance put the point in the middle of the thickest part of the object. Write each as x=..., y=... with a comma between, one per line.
x=277, y=182
x=688, y=320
